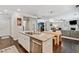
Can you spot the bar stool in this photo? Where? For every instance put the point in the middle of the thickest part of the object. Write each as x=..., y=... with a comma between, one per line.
x=54, y=44
x=56, y=47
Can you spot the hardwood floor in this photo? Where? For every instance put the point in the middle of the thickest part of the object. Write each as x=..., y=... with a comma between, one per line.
x=69, y=46
x=4, y=43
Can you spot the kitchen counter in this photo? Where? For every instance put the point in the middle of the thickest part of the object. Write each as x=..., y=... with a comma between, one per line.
x=37, y=42
x=71, y=33
x=42, y=36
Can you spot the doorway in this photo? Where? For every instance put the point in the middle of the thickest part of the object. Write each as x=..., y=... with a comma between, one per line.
x=41, y=26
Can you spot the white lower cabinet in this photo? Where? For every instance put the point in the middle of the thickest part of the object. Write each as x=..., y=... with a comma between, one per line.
x=24, y=40
x=48, y=46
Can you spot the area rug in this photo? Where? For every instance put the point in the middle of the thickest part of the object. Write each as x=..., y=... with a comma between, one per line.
x=11, y=49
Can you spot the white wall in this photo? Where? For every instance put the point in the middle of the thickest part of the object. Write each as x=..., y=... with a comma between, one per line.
x=14, y=27
x=5, y=25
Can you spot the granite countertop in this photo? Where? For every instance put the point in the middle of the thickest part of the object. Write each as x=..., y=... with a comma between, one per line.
x=43, y=36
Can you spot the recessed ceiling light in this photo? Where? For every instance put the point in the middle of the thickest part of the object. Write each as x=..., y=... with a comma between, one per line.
x=5, y=10
x=18, y=9
x=0, y=13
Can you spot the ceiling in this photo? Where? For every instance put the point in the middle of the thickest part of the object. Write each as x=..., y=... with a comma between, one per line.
x=46, y=11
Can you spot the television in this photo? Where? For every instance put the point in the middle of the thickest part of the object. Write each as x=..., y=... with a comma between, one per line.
x=73, y=28
x=73, y=22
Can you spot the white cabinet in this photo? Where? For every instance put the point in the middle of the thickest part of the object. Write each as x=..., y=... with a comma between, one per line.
x=48, y=46
x=24, y=40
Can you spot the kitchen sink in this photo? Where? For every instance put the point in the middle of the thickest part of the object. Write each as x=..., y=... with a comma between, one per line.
x=32, y=33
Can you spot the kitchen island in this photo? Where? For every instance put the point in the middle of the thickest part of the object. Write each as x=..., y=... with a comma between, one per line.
x=36, y=42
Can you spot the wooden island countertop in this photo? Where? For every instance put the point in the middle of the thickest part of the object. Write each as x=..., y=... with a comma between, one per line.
x=43, y=36
x=39, y=42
